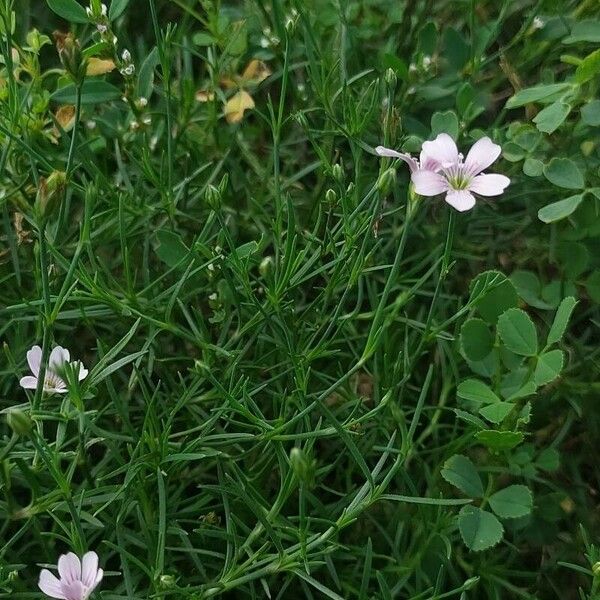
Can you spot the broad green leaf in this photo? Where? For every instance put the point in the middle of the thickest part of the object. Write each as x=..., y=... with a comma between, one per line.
x=529, y=288
x=512, y=502
x=445, y=122
x=560, y=210
x=552, y=117
x=517, y=331
x=548, y=460
x=533, y=167
x=561, y=320
x=493, y=293
x=548, y=367
x=479, y=529
x=536, y=94
x=469, y=418
x=117, y=8
x=70, y=10
x=499, y=440
x=92, y=92
x=590, y=113
x=588, y=68
x=476, y=339
x=584, y=31
x=564, y=173
x=171, y=249
x=477, y=391
x=497, y=412
x=526, y=390
x=461, y=473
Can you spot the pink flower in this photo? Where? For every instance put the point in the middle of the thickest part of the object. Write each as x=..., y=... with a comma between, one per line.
x=53, y=383
x=78, y=579
x=441, y=169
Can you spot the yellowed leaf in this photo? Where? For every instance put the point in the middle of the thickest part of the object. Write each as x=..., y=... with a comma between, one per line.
x=237, y=105
x=205, y=96
x=256, y=72
x=99, y=66
x=65, y=117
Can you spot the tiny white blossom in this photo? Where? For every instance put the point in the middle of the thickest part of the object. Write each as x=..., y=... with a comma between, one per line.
x=143, y=102
x=126, y=56
x=53, y=382
x=104, y=10
x=538, y=22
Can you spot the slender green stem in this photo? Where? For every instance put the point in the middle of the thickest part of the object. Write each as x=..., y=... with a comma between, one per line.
x=71, y=156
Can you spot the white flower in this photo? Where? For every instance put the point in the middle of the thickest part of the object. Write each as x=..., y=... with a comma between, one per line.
x=78, y=579
x=53, y=382
x=538, y=23
x=143, y=102
x=104, y=10
x=102, y=28
x=442, y=170
x=126, y=56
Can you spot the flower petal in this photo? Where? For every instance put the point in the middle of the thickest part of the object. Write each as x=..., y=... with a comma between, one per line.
x=28, y=382
x=489, y=185
x=34, y=359
x=83, y=372
x=481, y=155
x=442, y=150
x=74, y=590
x=99, y=577
x=407, y=158
x=58, y=357
x=69, y=567
x=50, y=585
x=89, y=569
x=461, y=200
x=428, y=183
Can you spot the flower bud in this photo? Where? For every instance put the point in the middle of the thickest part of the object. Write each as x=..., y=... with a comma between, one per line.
x=19, y=422
x=212, y=196
x=302, y=465
x=391, y=79
x=71, y=57
x=596, y=569
x=331, y=197
x=167, y=581
x=266, y=266
x=386, y=181
x=337, y=173
x=50, y=194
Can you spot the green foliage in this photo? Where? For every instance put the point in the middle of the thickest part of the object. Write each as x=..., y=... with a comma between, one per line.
x=304, y=380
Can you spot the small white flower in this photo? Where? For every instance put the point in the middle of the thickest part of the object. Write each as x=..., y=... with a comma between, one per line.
x=104, y=10
x=126, y=56
x=426, y=61
x=143, y=102
x=90, y=124
x=89, y=12
x=53, y=382
x=213, y=296
x=538, y=23
x=441, y=169
x=129, y=70
x=264, y=42
x=102, y=28
x=78, y=578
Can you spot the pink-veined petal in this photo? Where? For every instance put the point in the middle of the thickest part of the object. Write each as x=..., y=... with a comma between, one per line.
x=58, y=357
x=69, y=567
x=489, y=185
x=89, y=569
x=28, y=382
x=442, y=150
x=74, y=590
x=428, y=183
x=481, y=155
x=407, y=158
x=461, y=200
x=34, y=359
x=50, y=585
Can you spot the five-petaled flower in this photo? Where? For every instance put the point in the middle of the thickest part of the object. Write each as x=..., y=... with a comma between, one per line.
x=442, y=169
x=53, y=382
x=78, y=578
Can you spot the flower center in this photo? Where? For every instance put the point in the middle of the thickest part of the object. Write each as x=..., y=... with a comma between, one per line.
x=458, y=176
x=53, y=381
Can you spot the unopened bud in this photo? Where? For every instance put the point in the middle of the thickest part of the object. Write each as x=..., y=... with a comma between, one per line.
x=596, y=569
x=71, y=57
x=331, y=197
x=386, y=181
x=391, y=79
x=213, y=197
x=302, y=465
x=19, y=422
x=50, y=194
x=338, y=173
x=266, y=266
x=167, y=581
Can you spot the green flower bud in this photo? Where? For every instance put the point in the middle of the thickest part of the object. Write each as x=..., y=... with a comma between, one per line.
x=386, y=181
x=50, y=194
x=338, y=173
x=303, y=466
x=212, y=195
x=331, y=197
x=69, y=51
x=391, y=79
x=266, y=266
x=19, y=422
x=596, y=569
